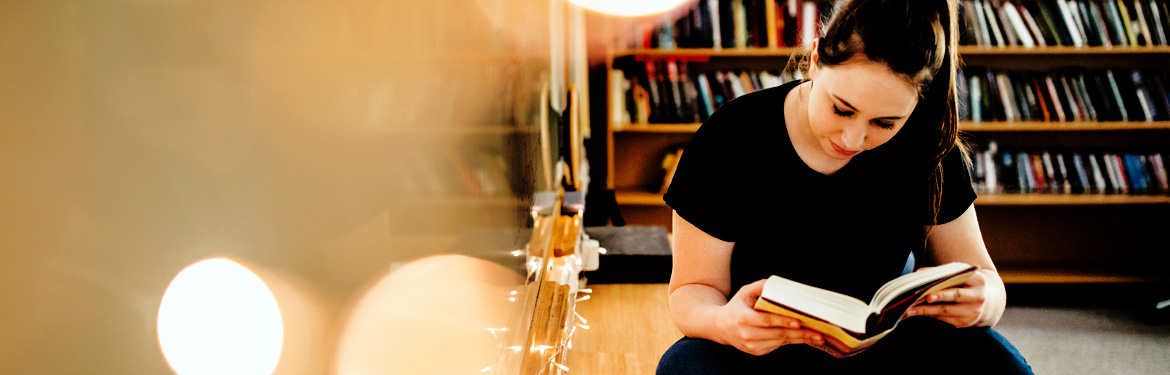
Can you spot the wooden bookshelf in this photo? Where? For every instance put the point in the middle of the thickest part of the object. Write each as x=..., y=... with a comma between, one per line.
x=1075, y=275
x=1068, y=199
x=1040, y=238
x=658, y=128
x=967, y=126
x=647, y=198
x=785, y=52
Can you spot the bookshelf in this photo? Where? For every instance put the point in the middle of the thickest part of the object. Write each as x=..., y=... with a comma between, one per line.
x=1035, y=237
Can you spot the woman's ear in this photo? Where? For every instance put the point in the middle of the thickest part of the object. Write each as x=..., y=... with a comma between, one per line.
x=813, y=59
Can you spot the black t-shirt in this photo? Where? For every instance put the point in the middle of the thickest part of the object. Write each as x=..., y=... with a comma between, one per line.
x=740, y=180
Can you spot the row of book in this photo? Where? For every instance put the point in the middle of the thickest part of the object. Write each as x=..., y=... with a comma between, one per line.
x=1070, y=95
x=451, y=171
x=662, y=91
x=741, y=24
x=1077, y=23
x=1002, y=170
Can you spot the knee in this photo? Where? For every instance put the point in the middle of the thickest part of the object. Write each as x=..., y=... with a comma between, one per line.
x=694, y=356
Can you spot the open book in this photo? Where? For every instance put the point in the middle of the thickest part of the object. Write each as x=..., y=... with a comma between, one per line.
x=849, y=324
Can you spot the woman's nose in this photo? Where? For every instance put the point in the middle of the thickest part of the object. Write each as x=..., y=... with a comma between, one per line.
x=853, y=135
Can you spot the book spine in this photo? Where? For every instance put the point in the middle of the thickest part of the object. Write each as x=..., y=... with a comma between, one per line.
x=983, y=29
x=1023, y=34
x=1033, y=27
x=705, y=92
x=770, y=14
x=1006, y=97
x=976, y=93
x=1073, y=29
x=1127, y=24
x=1079, y=165
x=740, y=21
x=1009, y=30
x=993, y=25
x=1160, y=173
x=1116, y=92
x=1143, y=24
x=1117, y=29
x=1159, y=28
x=716, y=27
x=809, y=15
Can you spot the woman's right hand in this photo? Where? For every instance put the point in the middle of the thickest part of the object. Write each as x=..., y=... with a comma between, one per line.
x=756, y=332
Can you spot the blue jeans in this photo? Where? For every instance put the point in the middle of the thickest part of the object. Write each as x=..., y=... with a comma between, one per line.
x=919, y=345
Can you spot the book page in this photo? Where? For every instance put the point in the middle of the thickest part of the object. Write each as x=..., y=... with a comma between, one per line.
x=836, y=308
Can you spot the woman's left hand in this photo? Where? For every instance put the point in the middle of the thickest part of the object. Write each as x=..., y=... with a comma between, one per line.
x=966, y=305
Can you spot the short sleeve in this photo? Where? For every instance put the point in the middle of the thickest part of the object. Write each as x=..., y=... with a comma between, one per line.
x=958, y=194
x=712, y=174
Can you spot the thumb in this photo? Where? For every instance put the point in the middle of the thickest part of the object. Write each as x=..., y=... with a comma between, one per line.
x=749, y=293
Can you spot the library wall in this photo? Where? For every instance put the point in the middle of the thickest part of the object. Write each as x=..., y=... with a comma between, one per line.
x=1065, y=106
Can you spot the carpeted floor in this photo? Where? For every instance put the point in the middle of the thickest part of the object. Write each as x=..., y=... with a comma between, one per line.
x=1088, y=340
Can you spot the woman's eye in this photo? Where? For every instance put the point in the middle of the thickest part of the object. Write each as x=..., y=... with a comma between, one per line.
x=841, y=113
x=884, y=125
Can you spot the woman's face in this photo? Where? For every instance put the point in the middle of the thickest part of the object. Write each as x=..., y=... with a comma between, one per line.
x=857, y=106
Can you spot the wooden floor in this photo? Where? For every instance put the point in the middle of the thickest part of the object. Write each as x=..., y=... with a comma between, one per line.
x=630, y=328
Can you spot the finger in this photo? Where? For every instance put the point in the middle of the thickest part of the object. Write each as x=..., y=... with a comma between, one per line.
x=764, y=319
x=956, y=295
x=785, y=335
x=940, y=311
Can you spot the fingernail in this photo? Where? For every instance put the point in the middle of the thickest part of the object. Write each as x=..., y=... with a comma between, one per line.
x=793, y=325
x=932, y=298
x=911, y=312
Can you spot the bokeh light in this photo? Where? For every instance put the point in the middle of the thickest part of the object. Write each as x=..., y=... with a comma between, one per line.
x=629, y=8
x=218, y=317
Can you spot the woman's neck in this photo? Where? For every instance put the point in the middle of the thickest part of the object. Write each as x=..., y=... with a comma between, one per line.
x=800, y=133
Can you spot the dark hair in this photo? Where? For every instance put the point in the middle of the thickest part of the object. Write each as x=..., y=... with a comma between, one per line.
x=917, y=40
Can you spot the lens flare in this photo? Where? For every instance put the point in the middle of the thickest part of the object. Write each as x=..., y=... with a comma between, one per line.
x=629, y=8
x=218, y=317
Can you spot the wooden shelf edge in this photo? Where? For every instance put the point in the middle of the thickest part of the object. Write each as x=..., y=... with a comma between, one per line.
x=1068, y=199
x=1075, y=276
x=640, y=198
x=646, y=198
x=1062, y=50
x=711, y=52
x=963, y=50
x=657, y=128
x=971, y=126
x=966, y=126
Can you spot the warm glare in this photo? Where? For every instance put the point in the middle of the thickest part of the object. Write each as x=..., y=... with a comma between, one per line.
x=629, y=8
x=217, y=317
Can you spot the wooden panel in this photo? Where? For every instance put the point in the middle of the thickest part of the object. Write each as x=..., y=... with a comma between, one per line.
x=639, y=159
x=629, y=329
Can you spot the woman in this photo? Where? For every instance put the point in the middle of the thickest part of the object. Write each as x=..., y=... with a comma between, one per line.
x=833, y=182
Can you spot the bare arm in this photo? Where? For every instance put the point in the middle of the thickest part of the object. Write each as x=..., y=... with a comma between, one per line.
x=700, y=286
x=982, y=300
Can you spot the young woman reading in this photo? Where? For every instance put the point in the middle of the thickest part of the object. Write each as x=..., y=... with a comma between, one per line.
x=833, y=181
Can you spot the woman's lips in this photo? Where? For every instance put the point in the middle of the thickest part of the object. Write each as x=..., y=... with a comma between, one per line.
x=842, y=151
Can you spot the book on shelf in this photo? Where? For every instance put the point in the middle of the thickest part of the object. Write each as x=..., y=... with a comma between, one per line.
x=1000, y=169
x=850, y=325
x=1072, y=94
x=666, y=91
x=669, y=166
x=1075, y=23
x=720, y=24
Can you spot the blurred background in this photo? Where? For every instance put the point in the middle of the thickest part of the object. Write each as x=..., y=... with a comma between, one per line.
x=372, y=163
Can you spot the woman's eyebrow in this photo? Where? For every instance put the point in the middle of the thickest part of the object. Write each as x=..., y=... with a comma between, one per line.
x=845, y=103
